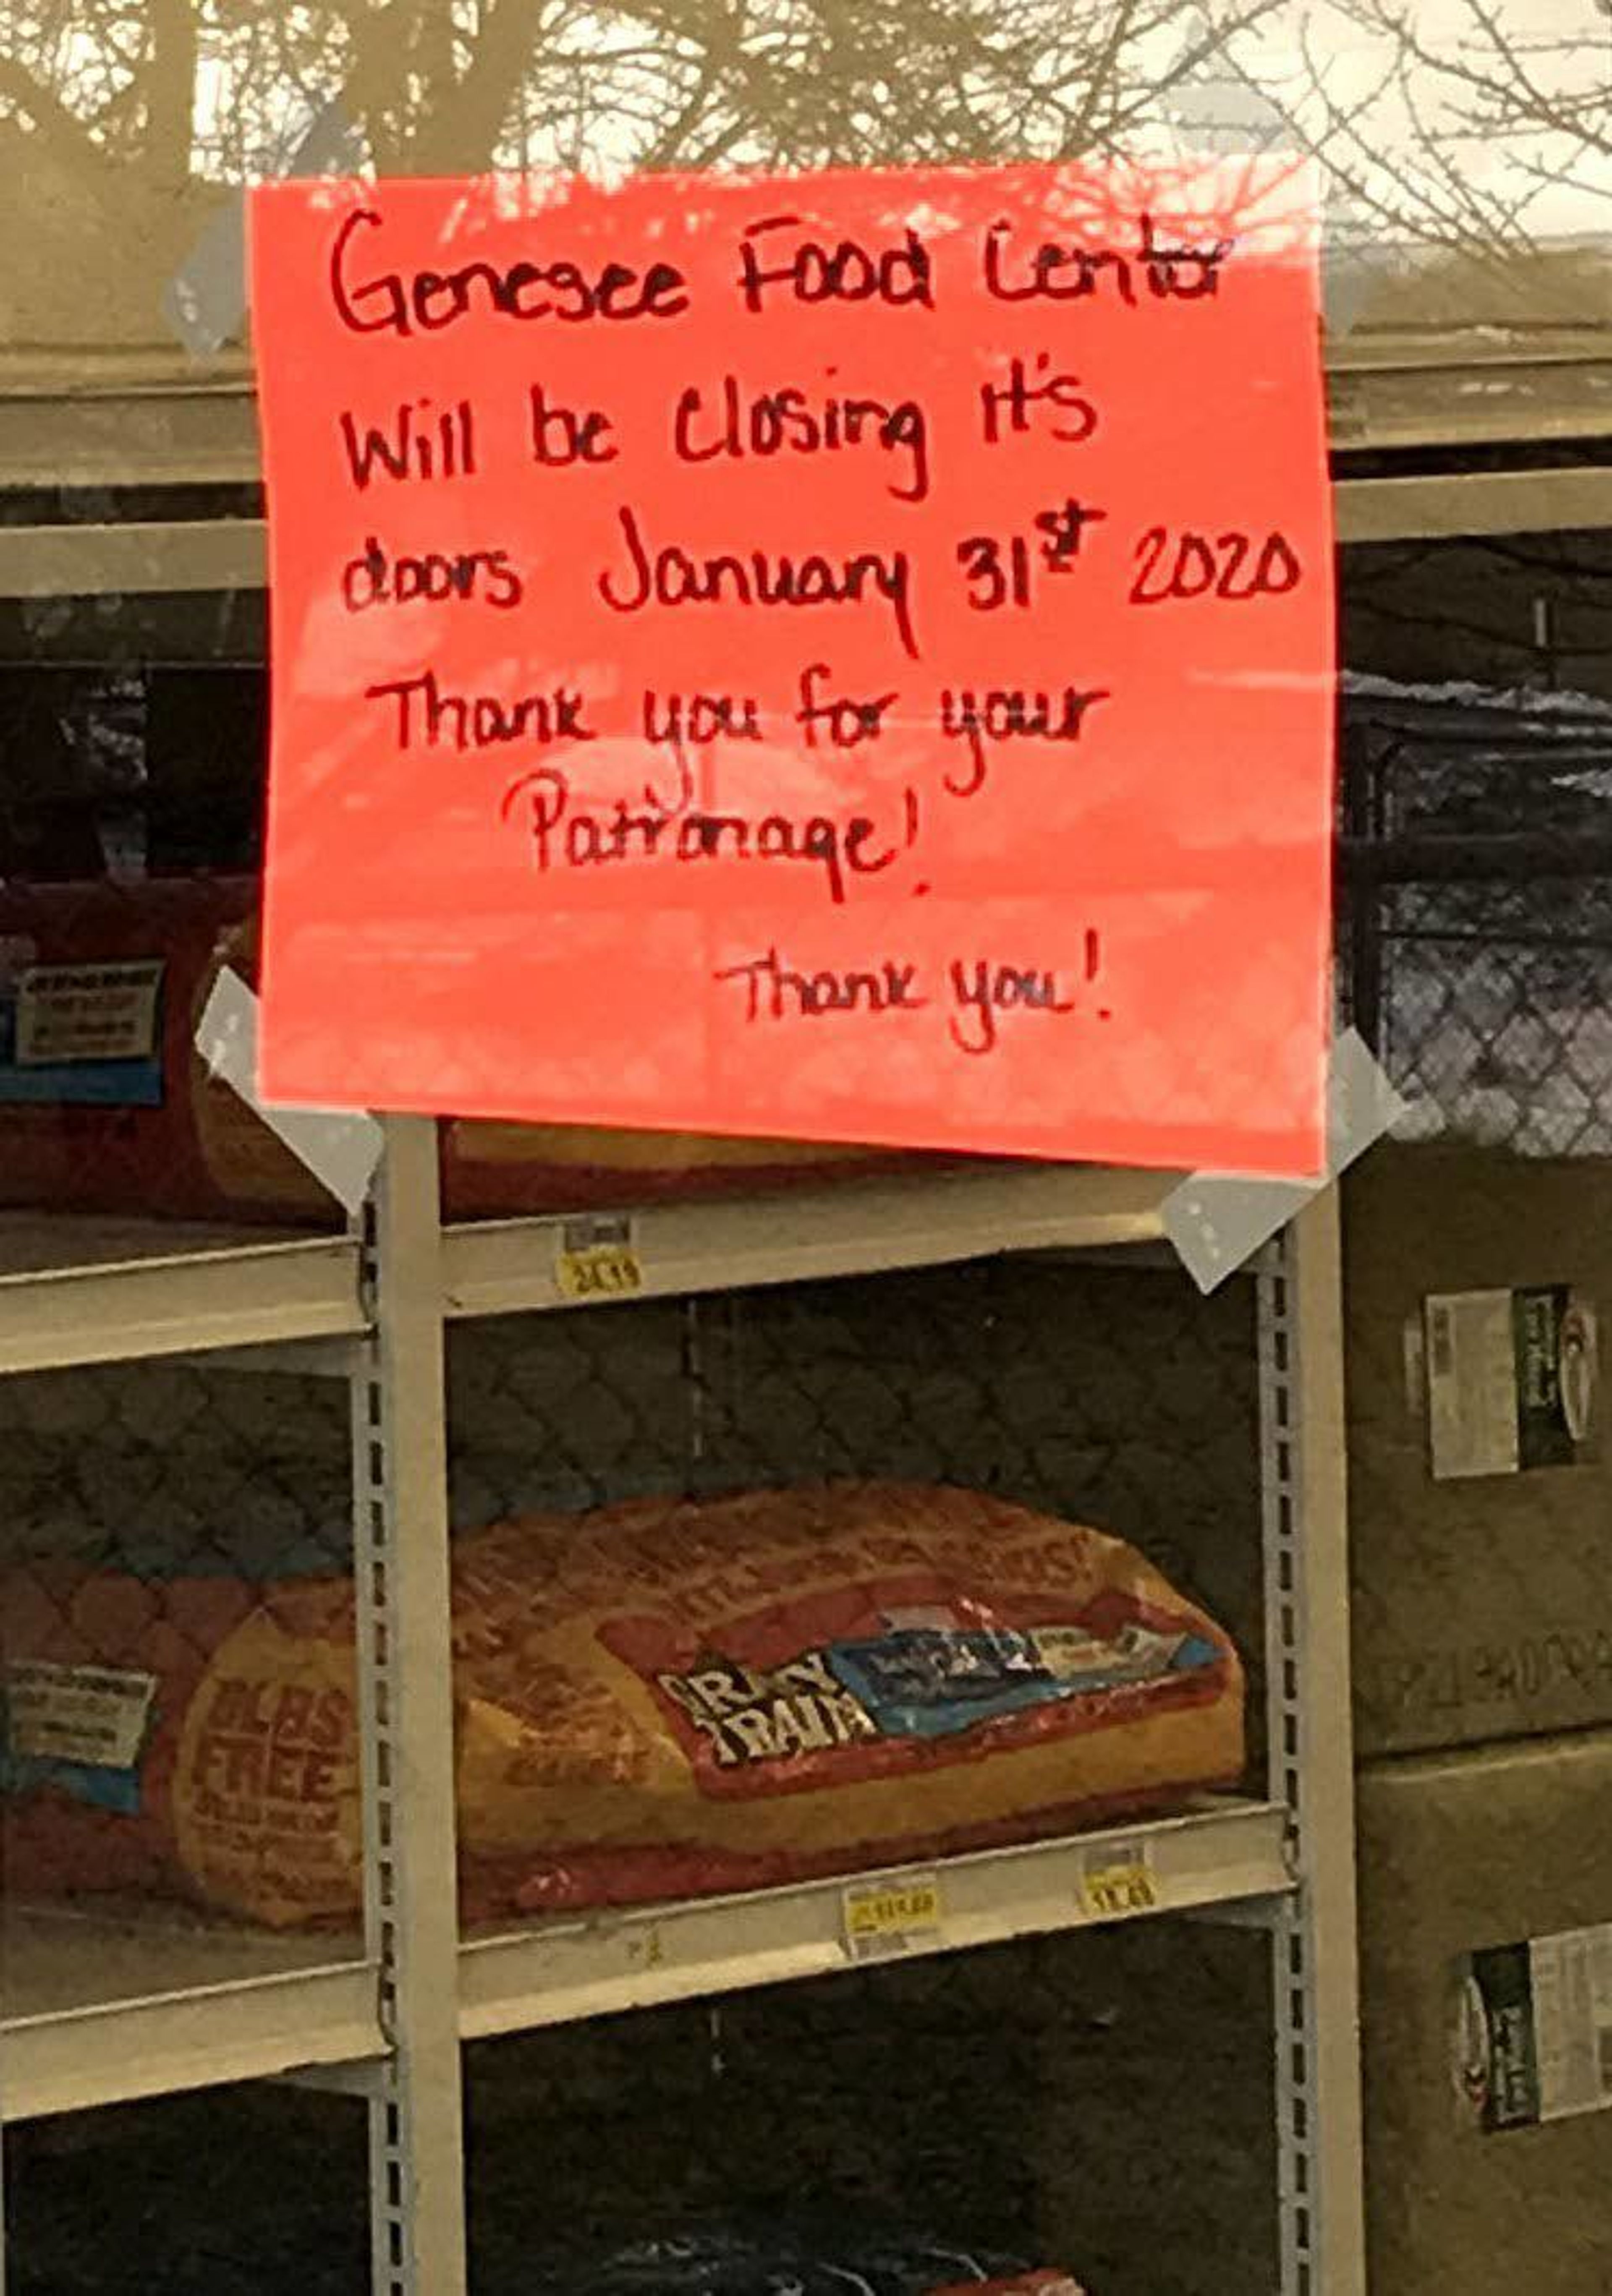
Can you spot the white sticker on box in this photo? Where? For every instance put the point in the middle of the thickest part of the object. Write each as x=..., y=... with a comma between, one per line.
x=1571, y=1977
x=1510, y=1380
x=95, y=1716
x=1472, y=1425
x=71, y=1013
x=1531, y=2030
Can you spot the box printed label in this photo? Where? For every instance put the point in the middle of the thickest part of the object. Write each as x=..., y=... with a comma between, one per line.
x=1511, y=1381
x=1534, y=2029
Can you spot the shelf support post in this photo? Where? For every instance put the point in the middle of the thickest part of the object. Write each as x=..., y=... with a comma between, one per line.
x=1307, y=1654
x=406, y=1675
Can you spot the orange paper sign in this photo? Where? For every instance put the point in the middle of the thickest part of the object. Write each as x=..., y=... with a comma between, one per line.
x=846, y=656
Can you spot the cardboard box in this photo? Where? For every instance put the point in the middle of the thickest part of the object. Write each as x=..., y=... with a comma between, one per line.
x=1487, y=2031
x=1480, y=1474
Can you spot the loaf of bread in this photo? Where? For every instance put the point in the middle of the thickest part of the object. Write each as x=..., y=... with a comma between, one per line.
x=659, y=1699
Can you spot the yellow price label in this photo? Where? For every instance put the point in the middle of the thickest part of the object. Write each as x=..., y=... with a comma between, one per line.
x=887, y=1915
x=598, y=1271
x=1112, y=1891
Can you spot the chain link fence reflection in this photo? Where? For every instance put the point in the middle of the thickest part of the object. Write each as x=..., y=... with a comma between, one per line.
x=146, y=1510
x=1030, y=2092
x=1475, y=949
x=1111, y=1396
x=1102, y=2102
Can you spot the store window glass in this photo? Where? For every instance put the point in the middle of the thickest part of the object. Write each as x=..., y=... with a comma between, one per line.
x=1466, y=140
x=1475, y=775
x=1096, y=2103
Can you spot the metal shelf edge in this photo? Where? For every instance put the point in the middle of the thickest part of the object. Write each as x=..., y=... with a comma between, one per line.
x=509, y=1267
x=116, y=2052
x=182, y=1303
x=631, y=1958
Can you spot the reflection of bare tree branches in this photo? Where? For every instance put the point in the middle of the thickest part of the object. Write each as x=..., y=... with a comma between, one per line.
x=136, y=96
x=1500, y=83
x=1433, y=194
x=1114, y=102
x=454, y=82
x=1494, y=84
x=44, y=114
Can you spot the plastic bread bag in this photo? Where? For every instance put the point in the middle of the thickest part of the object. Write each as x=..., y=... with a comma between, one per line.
x=732, y=2261
x=661, y=1699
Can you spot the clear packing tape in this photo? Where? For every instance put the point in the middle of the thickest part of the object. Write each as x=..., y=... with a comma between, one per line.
x=1217, y=1222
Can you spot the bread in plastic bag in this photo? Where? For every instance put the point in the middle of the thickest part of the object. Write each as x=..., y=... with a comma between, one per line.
x=659, y=1699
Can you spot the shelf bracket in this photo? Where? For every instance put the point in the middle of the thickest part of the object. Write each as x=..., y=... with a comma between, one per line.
x=1315, y=1971
x=406, y=1675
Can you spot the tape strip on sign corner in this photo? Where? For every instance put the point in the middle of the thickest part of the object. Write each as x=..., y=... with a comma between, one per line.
x=205, y=302
x=1217, y=1224
x=341, y=1150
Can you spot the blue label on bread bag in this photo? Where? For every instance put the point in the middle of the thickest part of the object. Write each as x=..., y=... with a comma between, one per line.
x=86, y=1035
x=81, y=1729
x=932, y=1682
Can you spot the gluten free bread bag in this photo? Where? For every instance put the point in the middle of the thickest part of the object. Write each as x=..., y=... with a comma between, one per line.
x=657, y=1699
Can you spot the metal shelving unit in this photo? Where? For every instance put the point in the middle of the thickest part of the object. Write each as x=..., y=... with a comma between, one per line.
x=100, y=2008
x=126, y=2004
x=104, y=2008
x=511, y=1267
x=99, y=2011
x=1229, y=1853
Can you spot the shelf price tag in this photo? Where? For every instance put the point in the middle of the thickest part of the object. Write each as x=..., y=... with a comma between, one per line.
x=1119, y=1880
x=597, y=1259
x=890, y=1914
